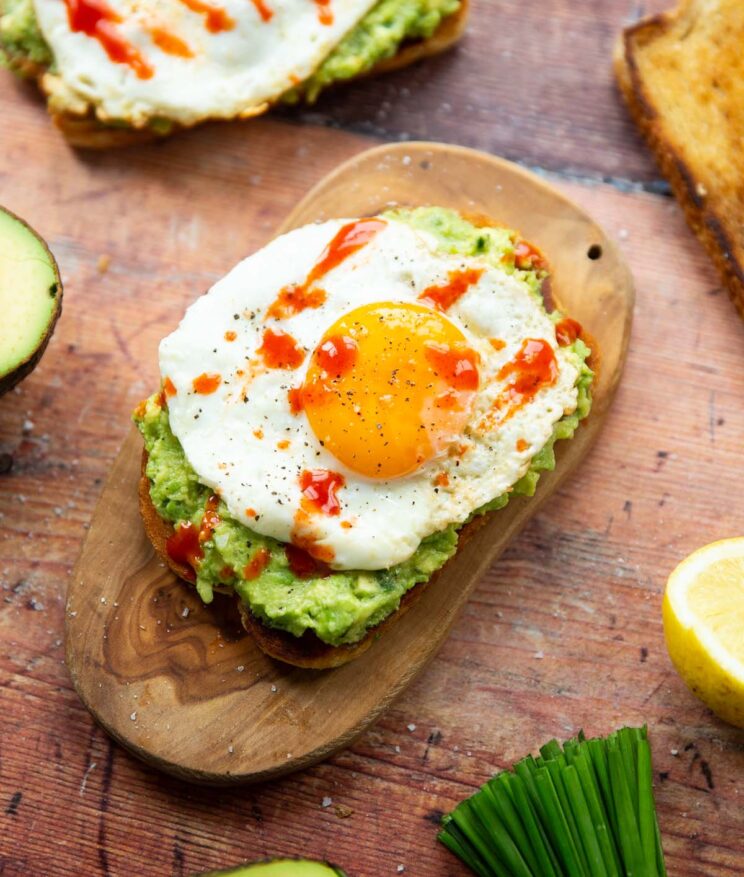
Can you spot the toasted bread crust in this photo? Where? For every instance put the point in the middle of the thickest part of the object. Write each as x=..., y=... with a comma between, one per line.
x=87, y=132
x=714, y=216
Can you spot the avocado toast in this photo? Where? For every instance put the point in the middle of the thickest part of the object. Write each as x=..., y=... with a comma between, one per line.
x=130, y=105
x=349, y=564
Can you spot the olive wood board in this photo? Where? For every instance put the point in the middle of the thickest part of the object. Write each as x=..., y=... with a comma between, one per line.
x=180, y=684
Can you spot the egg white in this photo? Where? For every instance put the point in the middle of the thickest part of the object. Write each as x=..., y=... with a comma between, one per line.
x=390, y=518
x=231, y=74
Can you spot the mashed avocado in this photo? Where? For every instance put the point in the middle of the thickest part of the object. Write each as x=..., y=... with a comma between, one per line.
x=339, y=608
x=21, y=41
x=377, y=36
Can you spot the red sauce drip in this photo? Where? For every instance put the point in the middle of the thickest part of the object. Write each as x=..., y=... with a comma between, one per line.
x=497, y=343
x=448, y=401
x=349, y=238
x=442, y=480
x=527, y=255
x=457, y=366
x=96, y=19
x=206, y=384
x=533, y=368
x=210, y=520
x=443, y=297
x=257, y=564
x=567, y=331
x=319, y=488
x=170, y=43
x=263, y=10
x=295, y=299
x=325, y=15
x=280, y=350
x=337, y=355
x=230, y=335
x=216, y=20
x=303, y=564
x=183, y=546
x=522, y=445
x=169, y=388
x=296, y=403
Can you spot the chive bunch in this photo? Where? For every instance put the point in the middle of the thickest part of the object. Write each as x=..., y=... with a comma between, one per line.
x=586, y=810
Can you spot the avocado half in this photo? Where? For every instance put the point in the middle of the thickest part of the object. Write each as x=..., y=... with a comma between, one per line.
x=280, y=868
x=30, y=299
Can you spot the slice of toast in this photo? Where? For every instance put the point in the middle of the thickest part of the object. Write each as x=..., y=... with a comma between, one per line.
x=87, y=132
x=682, y=75
x=307, y=651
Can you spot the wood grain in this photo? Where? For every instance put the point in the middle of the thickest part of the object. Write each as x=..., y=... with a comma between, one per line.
x=564, y=631
x=211, y=707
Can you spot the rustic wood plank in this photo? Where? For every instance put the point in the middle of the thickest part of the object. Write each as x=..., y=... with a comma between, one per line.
x=564, y=632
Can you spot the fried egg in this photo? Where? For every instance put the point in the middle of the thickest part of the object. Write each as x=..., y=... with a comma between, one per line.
x=352, y=389
x=186, y=60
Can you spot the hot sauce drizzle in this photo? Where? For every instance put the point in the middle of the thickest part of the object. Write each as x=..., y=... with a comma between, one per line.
x=263, y=10
x=230, y=335
x=303, y=564
x=280, y=350
x=567, y=331
x=296, y=403
x=457, y=366
x=206, y=384
x=319, y=488
x=347, y=240
x=295, y=299
x=170, y=43
x=527, y=256
x=169, y=388
x=216, y=20
x=184, y=546
x=337, y=355
x=325, y=15
x=460, y=281
x=210, y=519
x=257, y=564
x=533, y=368
x=96, y=19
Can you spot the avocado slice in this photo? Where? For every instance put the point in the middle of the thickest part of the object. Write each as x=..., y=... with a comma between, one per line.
x=281, y=868
x=30, y=299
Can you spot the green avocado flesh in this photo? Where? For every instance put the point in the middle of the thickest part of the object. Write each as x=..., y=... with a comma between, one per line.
x=378, y=36
x=280, y=868
x=340, y=607
x=30, y=298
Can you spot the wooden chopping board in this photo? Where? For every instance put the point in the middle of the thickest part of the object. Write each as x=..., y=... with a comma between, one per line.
x=181, y=687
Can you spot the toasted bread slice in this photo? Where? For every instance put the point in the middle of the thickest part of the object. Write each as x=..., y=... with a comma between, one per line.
x=87, y=132
x=307, y=651
x=682, y=75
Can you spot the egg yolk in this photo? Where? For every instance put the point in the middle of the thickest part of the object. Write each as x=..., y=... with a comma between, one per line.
x=389, y=387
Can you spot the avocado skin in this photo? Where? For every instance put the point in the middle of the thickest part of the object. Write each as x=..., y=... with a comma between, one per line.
x=23, y=369
x=280, y=868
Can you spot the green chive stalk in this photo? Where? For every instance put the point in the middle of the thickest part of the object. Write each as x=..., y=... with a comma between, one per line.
x=585, y=809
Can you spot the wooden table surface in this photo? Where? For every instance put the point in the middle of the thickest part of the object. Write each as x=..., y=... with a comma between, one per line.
x=564, y=632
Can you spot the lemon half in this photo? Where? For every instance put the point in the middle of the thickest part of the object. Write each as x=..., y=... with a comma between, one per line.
x=704, y=626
